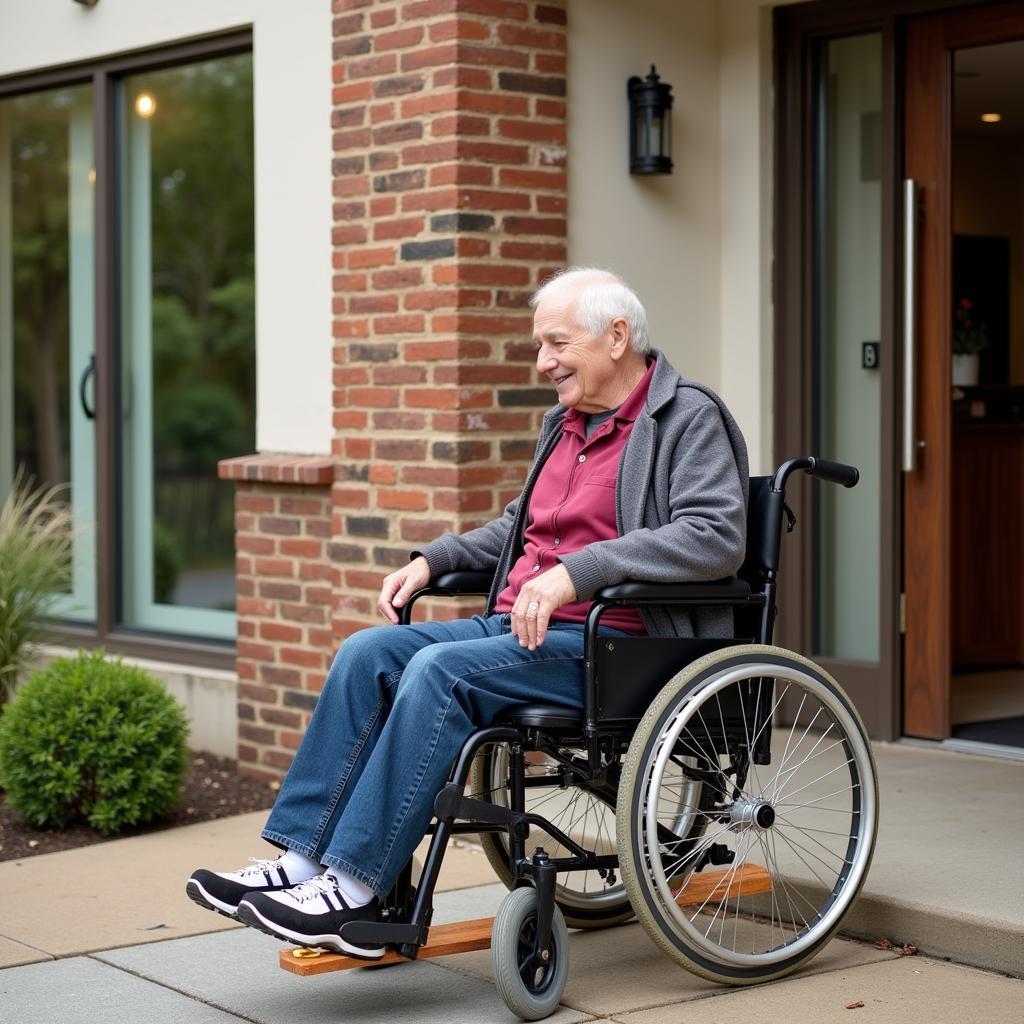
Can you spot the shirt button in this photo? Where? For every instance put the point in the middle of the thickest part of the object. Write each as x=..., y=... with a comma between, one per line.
x=583, y=458
x=536, y=568
x=558, y=540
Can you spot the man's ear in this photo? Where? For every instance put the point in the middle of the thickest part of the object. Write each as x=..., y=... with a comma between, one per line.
x=620, y=337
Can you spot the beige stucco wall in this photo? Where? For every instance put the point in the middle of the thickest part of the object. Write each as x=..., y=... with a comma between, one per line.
x=292, y=99
x=695, y=244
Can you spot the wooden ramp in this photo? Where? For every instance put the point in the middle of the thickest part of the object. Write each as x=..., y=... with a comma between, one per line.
x=465, y=936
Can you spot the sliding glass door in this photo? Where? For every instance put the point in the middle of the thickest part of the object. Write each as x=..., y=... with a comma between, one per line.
x=47, y=288
x=187, y=287
x=127, y=327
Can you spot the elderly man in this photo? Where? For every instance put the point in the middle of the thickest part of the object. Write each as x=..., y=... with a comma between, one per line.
x=637, y=474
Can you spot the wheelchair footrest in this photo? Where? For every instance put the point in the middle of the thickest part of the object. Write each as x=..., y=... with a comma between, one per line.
x=465, y=936
x=461, y=937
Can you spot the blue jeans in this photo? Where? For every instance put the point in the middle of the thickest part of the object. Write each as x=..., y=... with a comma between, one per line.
x=397, y=706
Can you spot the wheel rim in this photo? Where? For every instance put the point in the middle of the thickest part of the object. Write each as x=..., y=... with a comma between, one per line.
x=582, y=815
x=808, y=813
x=536, y=979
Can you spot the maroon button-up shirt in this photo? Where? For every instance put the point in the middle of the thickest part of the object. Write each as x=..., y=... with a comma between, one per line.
x=573, y=505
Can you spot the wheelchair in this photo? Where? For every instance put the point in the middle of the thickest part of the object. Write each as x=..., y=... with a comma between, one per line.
x=723, y=792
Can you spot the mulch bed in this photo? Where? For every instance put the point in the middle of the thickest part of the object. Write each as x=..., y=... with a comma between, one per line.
x=213, y=789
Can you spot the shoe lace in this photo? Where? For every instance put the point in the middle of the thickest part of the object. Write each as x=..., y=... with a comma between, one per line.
x=256, y=867
x=312, y=888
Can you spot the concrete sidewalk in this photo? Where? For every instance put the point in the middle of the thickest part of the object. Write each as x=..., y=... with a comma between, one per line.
x=105, y=933
x=946, y=874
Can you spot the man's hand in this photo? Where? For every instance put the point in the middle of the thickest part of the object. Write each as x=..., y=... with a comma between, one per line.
x=401, y=585
x=535, y=603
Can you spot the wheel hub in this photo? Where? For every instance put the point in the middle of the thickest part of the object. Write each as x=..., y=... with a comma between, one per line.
x=752, y=814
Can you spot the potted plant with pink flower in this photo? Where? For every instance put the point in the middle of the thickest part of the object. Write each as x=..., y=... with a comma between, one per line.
x=970, y=338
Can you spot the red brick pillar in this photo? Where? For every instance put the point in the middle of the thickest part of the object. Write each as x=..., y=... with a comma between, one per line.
x=450, y=195
x=449, y=209
x=284, y=599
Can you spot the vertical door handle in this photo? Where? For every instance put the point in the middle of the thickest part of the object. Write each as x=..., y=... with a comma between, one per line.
x=89, y=371
x=909, y=319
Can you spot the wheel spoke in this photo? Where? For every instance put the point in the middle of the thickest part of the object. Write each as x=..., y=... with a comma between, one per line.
x=828, y=796
x=773, y=853
x=792, y=847
x=810, y=756
x=777, y=883
x=770, y=718
x=813, y=782
x=746, y=731
x=786, y=823
x=799, y=743
x=811, y=853
x=788, y=892
x=789, y=739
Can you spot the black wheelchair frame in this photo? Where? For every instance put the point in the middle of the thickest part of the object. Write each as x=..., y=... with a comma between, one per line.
x=609, y=716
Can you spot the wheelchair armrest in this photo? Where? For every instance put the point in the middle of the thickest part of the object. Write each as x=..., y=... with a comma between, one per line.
x=636, y=592
x=450, y=584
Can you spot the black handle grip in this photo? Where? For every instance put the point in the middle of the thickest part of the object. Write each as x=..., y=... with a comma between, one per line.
x=89, y=370
x=834, y=472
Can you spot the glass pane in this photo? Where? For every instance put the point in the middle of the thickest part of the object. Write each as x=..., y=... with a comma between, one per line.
x=188, y=337
x=987, y=336
x=46, y=309
x=848, y=299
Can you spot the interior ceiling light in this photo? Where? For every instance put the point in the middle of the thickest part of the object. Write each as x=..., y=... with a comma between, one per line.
x=991, y=118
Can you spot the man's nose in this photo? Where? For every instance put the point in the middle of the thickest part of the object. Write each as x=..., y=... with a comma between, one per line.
x=546, y=361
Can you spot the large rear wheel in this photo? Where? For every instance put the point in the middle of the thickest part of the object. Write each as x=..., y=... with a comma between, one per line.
x=808, y=818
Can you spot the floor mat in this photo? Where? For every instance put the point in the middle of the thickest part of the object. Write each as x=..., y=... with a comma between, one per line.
x=1009, y=732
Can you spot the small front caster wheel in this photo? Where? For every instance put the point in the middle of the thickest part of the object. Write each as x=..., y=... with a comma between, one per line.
x=530, y=990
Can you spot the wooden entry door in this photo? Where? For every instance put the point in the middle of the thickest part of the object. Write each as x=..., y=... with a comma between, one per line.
x=931, y=42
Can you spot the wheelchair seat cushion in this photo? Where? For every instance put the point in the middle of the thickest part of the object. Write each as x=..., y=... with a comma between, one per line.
x=543, y=716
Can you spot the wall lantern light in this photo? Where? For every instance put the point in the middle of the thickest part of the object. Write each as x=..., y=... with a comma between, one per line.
x=650, y=125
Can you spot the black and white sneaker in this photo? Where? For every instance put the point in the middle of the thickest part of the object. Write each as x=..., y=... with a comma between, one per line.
x=223, y=890
x=310, y=914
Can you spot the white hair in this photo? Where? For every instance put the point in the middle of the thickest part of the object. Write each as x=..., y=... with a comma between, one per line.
x=603, y=296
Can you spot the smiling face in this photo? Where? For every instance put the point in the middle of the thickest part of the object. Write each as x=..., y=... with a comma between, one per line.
x=592, y=373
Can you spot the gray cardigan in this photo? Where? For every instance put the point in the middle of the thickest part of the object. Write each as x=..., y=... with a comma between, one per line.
x=680, y=506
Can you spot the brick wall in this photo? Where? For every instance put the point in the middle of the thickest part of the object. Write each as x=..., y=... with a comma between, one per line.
x=449, y=183
x=285, y=644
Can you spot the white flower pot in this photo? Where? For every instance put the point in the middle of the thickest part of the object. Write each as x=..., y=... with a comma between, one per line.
x=965, y=370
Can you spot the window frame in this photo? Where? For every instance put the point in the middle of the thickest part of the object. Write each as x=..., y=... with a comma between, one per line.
x=105, y=74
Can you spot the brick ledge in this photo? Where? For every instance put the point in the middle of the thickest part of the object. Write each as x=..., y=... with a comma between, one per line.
x=278, y=469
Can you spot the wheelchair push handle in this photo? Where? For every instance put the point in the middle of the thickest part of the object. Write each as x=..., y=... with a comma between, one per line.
x=833, y=472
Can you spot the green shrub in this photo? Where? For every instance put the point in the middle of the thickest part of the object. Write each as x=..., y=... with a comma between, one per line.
x=35, y=566
x=93, y=739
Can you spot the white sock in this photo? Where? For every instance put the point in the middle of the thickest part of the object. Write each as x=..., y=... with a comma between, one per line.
x=356, y=894
x=298, y=867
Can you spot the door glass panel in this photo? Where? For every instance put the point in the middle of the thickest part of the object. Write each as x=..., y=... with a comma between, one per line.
x=987, y=335
x=848, y=302
x=46, y=311
x=188, y=337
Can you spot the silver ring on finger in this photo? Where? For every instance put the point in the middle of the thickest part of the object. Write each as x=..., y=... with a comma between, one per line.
x=531, y=608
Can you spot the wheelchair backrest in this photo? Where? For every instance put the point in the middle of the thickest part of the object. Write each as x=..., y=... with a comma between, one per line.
x=765, y=509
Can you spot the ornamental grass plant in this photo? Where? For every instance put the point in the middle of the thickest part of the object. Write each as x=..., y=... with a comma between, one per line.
x=90, y=739
x=35, y=567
